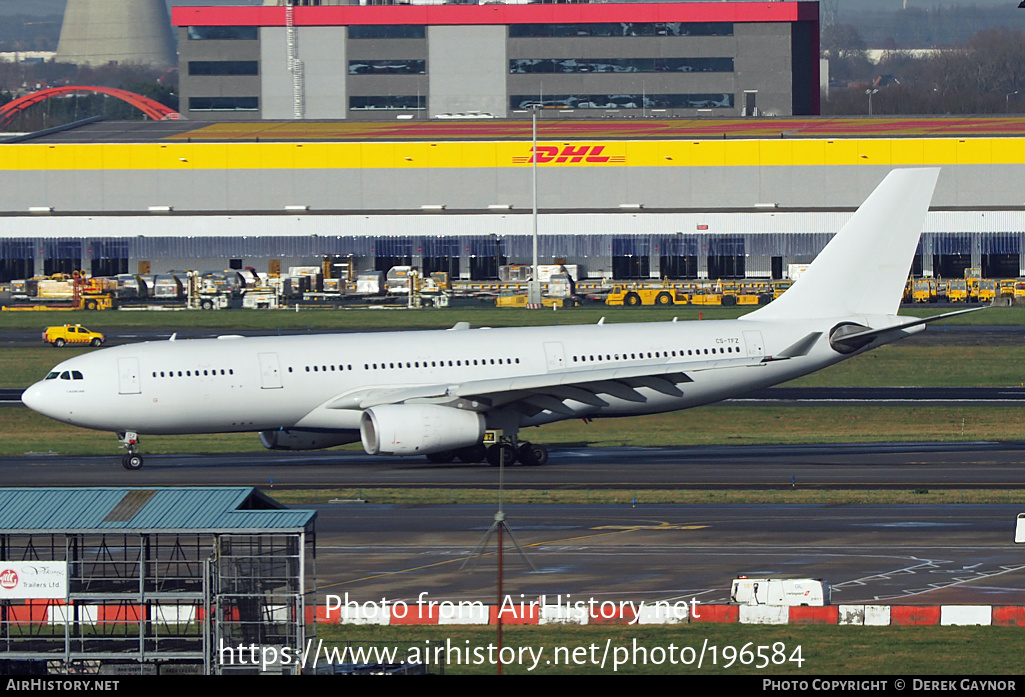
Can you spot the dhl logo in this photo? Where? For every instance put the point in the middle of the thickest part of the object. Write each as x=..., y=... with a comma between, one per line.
x=553, y=154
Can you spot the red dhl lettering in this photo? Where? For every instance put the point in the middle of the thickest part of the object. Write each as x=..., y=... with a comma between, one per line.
x=546, y=154
x=571, y=154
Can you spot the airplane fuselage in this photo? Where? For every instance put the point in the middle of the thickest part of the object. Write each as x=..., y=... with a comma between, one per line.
x=233, y=384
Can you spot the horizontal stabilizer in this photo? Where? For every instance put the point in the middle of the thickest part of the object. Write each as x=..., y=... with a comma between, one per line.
x=857, y=339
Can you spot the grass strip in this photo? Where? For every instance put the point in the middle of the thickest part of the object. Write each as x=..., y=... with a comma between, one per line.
x=480, y=313
x=889, y=652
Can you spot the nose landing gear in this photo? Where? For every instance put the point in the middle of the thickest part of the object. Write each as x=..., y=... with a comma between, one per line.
x=130, y=442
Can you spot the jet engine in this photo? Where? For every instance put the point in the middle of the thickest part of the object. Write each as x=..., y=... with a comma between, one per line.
x=418, y=429
x=297, y=439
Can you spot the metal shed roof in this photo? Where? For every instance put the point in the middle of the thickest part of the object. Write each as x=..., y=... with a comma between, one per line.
x=141, y=509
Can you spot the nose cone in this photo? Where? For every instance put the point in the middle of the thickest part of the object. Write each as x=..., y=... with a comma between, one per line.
x=30, y=397
x=34, y=399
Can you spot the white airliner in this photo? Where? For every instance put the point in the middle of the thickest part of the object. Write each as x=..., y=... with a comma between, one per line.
x=440, y=393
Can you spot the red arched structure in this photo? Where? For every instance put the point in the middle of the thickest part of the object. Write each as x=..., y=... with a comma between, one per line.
x=153, y=109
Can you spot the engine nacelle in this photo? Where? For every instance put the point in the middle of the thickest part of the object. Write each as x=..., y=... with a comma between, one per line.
x=418, y=429
x=297, y=439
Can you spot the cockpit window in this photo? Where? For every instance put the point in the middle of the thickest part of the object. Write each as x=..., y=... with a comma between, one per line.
x=52, y=376
x=65, y=375
x=76, y=375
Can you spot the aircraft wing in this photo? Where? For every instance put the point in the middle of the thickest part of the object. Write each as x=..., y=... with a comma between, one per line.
x=531, y=394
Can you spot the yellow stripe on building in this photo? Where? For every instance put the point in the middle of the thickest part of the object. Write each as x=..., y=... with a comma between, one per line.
x=472, y=155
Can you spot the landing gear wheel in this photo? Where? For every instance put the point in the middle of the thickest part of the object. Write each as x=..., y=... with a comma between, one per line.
x=473, y=454
x=533, y=455
x=441, y=458
x=501, y=454
x=132, y=461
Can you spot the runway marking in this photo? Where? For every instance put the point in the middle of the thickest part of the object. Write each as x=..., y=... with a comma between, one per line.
x=484, y=554
x=885, y=576
x=928, y=566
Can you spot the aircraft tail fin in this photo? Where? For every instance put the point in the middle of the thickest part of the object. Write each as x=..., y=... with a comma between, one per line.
x=863, y=269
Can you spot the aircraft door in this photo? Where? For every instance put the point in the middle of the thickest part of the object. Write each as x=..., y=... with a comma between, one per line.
x=270, y=371
x=128, y=376
x=755, y=347
x=555, y=355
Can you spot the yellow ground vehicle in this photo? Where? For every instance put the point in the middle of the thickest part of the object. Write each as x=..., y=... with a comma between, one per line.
x=748, y=292
x=94, y=293
x=1007, y=287
x=632, y=297
x=972, y=276
x=1019, y=290
x=780, y=287
x=957, y=291
x=987, y=290
x=514, y=299
x=712, y=298
x=72, y=334
x=99, y=301
x=442, y=280
x=923, y=290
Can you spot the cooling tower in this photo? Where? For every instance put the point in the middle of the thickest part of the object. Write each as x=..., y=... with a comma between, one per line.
x=97, y=32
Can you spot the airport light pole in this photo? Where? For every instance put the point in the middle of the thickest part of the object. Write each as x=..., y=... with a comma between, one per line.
x=534, y=285
x=870, y=92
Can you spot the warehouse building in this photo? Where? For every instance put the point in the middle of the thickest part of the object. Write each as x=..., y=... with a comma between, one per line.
x=412, y=61
x=740, y=198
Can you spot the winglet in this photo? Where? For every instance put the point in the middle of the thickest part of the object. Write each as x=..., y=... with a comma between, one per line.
x=863, y=269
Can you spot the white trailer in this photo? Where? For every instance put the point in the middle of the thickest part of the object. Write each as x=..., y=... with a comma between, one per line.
x=779, y=591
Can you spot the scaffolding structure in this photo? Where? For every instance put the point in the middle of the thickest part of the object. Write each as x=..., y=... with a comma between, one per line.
x=159, y=599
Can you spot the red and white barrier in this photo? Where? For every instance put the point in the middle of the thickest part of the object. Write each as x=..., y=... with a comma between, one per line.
x=52, y=612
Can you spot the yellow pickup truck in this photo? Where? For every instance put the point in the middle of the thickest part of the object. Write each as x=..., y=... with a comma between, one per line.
x=72, y=334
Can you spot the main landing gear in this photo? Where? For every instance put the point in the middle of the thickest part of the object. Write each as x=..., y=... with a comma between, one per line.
x=505, y=452
x=131, y=459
